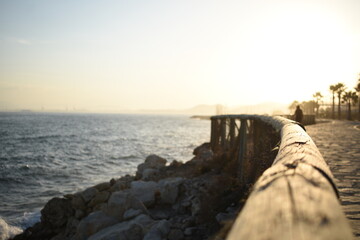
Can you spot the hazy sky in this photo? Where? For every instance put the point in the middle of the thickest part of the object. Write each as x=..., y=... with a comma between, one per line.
x=112, y=55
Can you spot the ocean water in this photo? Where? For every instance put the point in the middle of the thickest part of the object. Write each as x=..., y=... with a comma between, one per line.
x=48, y=155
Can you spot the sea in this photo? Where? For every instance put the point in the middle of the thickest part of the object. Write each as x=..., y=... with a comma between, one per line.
x=46, y=155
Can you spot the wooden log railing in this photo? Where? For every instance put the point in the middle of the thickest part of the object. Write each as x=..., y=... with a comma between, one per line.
x=295, y=198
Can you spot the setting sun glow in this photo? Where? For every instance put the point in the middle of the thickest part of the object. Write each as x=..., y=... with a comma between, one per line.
x=113, y=56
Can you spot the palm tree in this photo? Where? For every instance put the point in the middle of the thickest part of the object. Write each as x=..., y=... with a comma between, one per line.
x=333, y=90
x=340, y=88
x=357, y=88
x=350, y=97
x=318, y=98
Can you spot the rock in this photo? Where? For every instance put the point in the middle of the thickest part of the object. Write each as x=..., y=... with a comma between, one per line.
x=101, y=207
x=71, y=227
x=103, y=186
x=56, y=213
x=77, y=202
x=175, y=234
x=189, y=231
x=158, y=231
x=195, y=206
x=131, y=213
x=221, y=218
x=119, y=185
x=127, y=230
x=119, y=202
x=88, y=194
x=188, y=222
x=161, y=212
x=79, y=214
x=148, y=173
x=144, y=191
x=112, y=181
x=169, y=189
x=99, y=197
x=164, y=227
x=153, y=235
x=68, y=196
x=154, y=161
x=92, y=224
x=202, y=147
x=175, y=163
x=204, y=152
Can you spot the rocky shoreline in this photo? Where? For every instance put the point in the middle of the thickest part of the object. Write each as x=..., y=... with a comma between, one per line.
x=198, y=199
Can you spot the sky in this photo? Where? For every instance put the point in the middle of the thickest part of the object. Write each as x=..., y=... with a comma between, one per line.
x=114, y=55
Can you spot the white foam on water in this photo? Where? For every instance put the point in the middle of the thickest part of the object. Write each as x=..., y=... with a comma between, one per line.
x=28, y=219
x=8, y=231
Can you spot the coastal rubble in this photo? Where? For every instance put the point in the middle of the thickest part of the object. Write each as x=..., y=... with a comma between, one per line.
x=179, y=201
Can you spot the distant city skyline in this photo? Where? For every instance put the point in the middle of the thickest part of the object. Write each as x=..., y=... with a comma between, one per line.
x=112, y=55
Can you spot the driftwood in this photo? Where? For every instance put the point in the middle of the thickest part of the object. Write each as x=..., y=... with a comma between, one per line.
x=296, y=197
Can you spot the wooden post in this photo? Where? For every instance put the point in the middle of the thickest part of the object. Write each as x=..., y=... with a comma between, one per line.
x=212, y=134
x=223, y=133
x=232, y=132
x=242, y=149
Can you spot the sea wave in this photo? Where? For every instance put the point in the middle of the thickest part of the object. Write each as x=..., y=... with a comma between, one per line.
x=7, y=231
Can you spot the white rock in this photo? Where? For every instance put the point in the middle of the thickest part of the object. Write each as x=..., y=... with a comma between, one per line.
x=144, y=191
x=169, y=189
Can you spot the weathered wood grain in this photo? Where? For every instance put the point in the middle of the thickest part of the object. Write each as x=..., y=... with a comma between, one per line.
x=296, y=198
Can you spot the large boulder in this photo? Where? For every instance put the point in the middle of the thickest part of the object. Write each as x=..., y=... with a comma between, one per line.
x=99, y=197
x=88, y=194
x=149, y=173
x=120, y=202
x=103, y=186
x=154, y=161
x=145, y=191
x=169, y=189
x=204, y=152
x=128, y=230
x=92, y=224
x=159, y=230
x=77, y=202
x=151, y=162
x=56, y=213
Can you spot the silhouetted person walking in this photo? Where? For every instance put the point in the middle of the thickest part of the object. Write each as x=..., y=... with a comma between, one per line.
x=298, y=114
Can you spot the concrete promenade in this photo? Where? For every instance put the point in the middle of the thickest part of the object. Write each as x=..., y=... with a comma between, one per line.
x=339, y=143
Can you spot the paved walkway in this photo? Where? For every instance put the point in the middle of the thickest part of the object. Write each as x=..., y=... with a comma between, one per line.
x=339, y=143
